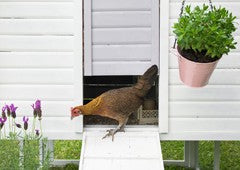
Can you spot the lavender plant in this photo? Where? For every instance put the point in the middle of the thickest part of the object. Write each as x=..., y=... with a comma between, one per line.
x=19, y=147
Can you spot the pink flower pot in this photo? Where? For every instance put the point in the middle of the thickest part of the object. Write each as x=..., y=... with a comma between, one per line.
x=195, y=74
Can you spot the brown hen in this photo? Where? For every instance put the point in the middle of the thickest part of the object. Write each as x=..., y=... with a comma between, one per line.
x=120, y=103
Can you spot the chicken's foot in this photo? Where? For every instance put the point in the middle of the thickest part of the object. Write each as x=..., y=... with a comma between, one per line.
x=112, y=132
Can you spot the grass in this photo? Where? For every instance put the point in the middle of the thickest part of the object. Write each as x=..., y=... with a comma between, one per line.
x=174, y=150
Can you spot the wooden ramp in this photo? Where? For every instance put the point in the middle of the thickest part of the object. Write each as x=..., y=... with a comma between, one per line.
x=129, y=151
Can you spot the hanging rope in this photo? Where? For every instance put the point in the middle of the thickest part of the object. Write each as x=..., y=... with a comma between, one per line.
x=180, y=15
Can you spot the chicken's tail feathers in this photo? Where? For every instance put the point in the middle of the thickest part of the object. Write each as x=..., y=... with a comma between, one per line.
x=146, y=81
x=151, y=72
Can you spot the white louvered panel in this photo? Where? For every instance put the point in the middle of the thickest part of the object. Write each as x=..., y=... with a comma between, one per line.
x=120, y=19
x=36, y=9
x=121, y=36
x=121, y=5
x=134, y=67
x=119, y=31
x=36, y=26
x=37, y=76
x=36, y=60
x=122, y=52
x=31, y=92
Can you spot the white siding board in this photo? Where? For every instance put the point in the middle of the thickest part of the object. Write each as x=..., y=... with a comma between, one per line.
x=121, y=36
x=219, y=77
x=63, y=129
x=49, y=108
x=122, y=52
x=121, y=5
x=208, y=93
x=118, y=19
x=36, y=9
x=36, y=60
x=204, y=125
x=205, y=109
x=31, y=92
x=36, y=26
x=41, y=58
x=36, y=0
x=37, y=76
x=36, y=43
x=49, y=124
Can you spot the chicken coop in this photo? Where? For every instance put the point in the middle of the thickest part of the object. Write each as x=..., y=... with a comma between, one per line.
x=66, y=52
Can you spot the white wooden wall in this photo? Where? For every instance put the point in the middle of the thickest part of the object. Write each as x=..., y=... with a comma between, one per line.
x=41, y=58
x=121, y=37
x=212, y=112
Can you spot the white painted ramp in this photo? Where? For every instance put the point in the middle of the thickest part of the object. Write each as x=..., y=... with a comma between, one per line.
x=129, y=151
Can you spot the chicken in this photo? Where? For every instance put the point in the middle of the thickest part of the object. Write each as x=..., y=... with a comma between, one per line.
x=120, y=103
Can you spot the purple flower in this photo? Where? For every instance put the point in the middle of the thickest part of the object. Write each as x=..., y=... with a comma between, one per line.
x=37, y=132
x=8, y=110
x=3, y=111
x=25, y=121
x=2, y=121
x=13, y=110
x=37, y=111
x=18, y=125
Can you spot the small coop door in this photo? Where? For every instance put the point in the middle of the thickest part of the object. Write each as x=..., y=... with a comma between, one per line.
x=121, y=37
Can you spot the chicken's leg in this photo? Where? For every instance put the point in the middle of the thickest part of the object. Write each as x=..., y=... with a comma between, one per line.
x=120, y=128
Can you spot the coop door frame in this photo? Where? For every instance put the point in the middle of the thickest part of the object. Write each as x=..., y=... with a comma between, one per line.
x=78, y=62
x=164, y=61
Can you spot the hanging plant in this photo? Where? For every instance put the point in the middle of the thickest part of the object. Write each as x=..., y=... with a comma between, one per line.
x=204, y=35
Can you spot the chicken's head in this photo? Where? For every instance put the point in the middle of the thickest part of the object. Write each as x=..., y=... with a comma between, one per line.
x=75, y=112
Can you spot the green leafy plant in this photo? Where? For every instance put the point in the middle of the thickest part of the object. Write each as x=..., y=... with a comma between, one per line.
x=206, y=31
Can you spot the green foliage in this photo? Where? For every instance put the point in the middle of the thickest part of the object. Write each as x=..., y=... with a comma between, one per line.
x=201, y=29
x=173, y=150
x=67, y=149
x=9, y=154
